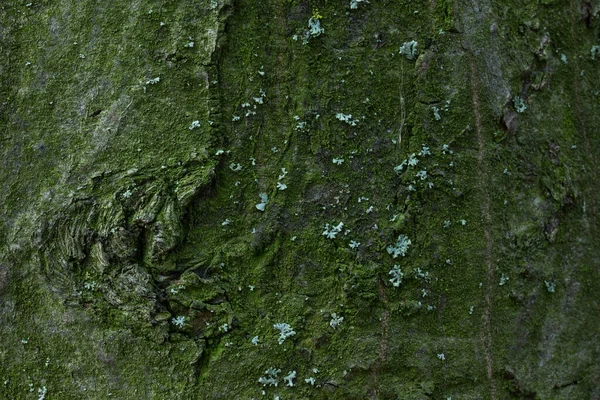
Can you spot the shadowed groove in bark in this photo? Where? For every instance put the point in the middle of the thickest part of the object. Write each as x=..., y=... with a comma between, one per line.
x=383, y=341
x=487, y=223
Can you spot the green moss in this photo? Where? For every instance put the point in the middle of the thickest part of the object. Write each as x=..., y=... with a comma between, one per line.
x=115, y=189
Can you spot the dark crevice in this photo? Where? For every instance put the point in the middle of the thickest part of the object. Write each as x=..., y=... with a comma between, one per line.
x=564, y=385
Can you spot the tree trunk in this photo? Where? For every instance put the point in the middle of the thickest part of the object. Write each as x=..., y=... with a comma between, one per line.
x=349, y=199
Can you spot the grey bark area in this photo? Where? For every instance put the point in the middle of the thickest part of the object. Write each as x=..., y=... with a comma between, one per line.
x=292, y=199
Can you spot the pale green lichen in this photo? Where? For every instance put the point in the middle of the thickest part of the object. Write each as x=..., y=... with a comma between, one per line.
x=397, y=276
x=409, y=49
x=519, y=104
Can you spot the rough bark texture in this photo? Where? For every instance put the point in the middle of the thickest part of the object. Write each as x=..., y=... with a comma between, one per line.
x=147, y=256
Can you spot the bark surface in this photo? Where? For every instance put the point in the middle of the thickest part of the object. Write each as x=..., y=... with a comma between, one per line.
x=411, y=186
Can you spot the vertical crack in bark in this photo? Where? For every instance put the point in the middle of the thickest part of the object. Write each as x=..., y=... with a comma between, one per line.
x=383, y=341
x=487, y=223
x=581, y=111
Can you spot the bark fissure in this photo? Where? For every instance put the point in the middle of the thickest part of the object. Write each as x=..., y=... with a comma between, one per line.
x=483, y=184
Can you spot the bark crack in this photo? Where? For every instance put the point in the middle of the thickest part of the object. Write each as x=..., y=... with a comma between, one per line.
x=487, y=223
x=383, y=341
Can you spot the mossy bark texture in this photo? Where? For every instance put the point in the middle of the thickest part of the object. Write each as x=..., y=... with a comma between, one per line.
x=294, y=199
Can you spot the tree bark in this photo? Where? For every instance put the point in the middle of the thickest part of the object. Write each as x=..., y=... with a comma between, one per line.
x=231, y=199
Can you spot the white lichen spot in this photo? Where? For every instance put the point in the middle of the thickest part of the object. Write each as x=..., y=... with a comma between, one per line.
x=178, y=321
x=519, y=104
x=421, y=175
x=283, y=174
x=336, y=320
x=194, y=125
x=397, y=276
x=422, y=274
x=400, y=247
x=409, y=49
x=235, y=167
x=314, y=30
x=270, y=378
x=398, y=168
x=446, y=149
x=354, y=3
x=285, y=331
x=331, y=232
x=347, y=118
x=264, y=198
x=412, y=160
x=289, y=378
x=153, y=81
